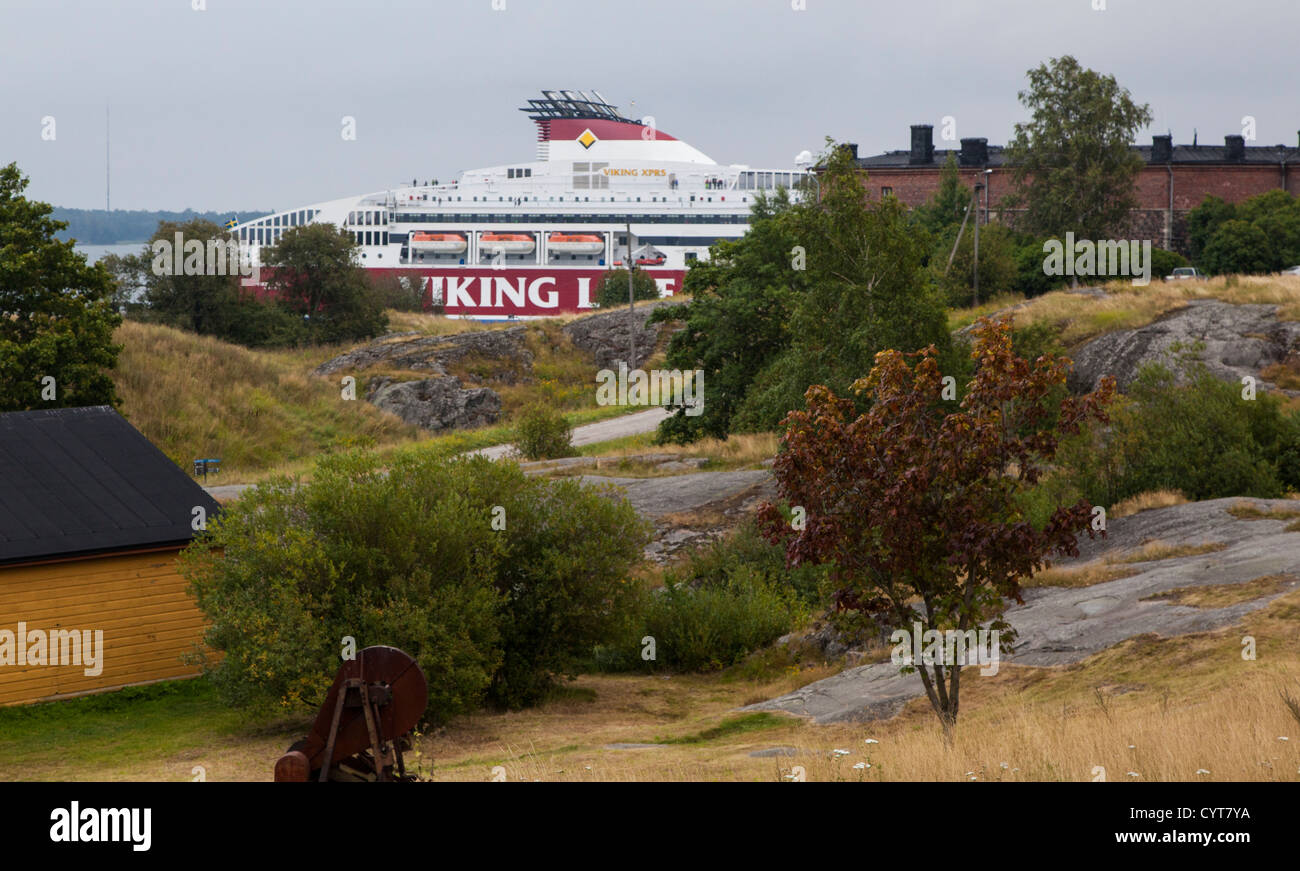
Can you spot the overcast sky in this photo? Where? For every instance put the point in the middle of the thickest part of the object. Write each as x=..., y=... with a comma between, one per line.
x=240, y=106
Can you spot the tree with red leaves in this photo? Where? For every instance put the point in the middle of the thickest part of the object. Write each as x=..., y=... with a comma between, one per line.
x=915, y=505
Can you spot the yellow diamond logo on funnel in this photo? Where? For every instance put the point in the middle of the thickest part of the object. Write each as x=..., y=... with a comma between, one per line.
x=587, y=138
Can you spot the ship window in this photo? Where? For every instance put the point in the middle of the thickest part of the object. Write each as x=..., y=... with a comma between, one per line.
x=510, y=173
x=528, y=172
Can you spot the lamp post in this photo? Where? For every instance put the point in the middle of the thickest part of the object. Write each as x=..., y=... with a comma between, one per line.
x=631, y=326
x=978, y=188
x=988, y=193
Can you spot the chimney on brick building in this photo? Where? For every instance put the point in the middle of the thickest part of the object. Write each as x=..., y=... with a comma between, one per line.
x=922, y=144
x=1235, y=146
x=1162, y=149
x=974, y=152
x=851, y=148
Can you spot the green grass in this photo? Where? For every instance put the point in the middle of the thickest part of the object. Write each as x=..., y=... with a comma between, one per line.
x=74, y=738
x=727, y=728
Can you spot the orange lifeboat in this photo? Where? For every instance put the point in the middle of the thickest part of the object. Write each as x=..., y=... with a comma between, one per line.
x=506, y=243
x=438, y=243
x=575, y=243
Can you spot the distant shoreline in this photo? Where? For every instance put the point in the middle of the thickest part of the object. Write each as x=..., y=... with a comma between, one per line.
x=131, y=227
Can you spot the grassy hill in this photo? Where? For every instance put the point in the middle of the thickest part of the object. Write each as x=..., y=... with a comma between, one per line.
x=195, y=396
x=263, y=412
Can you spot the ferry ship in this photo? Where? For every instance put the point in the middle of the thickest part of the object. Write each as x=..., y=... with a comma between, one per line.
x=533, y=238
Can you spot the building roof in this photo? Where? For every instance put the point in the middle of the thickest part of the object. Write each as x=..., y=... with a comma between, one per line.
x=903, y=159
x=1181, y=154
x=79, y=481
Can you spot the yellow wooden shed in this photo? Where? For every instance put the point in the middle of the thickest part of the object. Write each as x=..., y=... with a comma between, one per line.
x=92, y=517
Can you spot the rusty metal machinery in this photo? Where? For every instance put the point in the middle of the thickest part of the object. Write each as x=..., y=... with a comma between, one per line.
x=364, y=723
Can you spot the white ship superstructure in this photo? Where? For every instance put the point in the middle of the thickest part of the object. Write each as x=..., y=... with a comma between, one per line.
x=532, y=238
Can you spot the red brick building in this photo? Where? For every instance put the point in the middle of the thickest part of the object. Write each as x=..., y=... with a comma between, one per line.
x=1175, y=179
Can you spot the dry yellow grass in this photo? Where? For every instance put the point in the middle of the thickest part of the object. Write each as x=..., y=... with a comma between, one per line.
x=1112, y=568
x=195, y=396
x=1164, y=709
x=1245, y=510
x=1145, y=501
x=1086, y=575
x=1079, y=317
x=736, y=451
x=1158, y=550
x=1222, y=595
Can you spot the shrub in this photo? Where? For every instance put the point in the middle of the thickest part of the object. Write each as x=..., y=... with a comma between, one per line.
x=612, y=290
x=1199, y=437
x=406, y=554
x=1165, y=262
x=543, y=434
x=1031, y=279
x=1203, y=221
x=711, y=627
x=998, y=266
x=1237, y=247
x=727, y=600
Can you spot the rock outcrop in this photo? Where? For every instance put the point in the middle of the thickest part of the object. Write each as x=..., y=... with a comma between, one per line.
x=1233, y=340
x=1063, y=625
x=605, y=335
x=435, y=353
x=436, y=403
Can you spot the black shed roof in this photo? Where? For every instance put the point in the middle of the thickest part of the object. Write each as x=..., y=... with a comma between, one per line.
x=78, y=481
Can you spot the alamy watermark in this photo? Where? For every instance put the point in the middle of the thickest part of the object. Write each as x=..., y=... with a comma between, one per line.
x=55, y=647
x=951, y=647
x=655, y=387
x=181, y=256
x=1107, y=258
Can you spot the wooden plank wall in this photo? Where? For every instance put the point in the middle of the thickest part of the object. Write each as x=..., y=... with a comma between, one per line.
x=140, y=603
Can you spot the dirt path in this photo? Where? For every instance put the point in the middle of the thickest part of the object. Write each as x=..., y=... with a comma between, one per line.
x=601, y=431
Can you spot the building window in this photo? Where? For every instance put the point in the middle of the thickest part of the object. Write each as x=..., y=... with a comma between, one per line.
x=886, y=191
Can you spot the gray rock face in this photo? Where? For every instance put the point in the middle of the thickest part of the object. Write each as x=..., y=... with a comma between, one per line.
x=436, y=403
x=434, y=353
x=1238, y=340
x=605, y=335
x=1059, y=625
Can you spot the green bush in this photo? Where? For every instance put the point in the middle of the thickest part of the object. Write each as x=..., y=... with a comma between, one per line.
x=1030, y=279
x=406, y=553
x=711, y=627
x=1165, y=262
x=612, y=290
x=1203, y=221
x=1262, y=234
x=1237, y=247
x=998, y=266
x=1200, y=437
x=724, y=602
x=543, y=434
